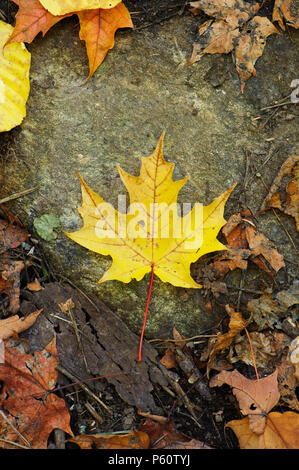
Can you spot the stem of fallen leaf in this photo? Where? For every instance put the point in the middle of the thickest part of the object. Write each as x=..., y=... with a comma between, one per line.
x=145, y=315
x=81, y=382
x=253, y=357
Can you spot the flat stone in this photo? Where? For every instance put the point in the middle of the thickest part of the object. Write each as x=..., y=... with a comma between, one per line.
x=141, y=89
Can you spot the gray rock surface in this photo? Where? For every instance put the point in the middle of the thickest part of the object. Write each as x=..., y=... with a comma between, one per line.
x=141, y=89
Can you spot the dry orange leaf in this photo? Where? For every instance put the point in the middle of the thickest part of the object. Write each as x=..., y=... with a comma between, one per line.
x=10, y=281
x=290, y=203
x=281, y=432
x=249, y=46
x=132, y=440
x=14, y=325
x=97, y=26
x=31, y=19
x=244, y=244
x=255, y=397
x=162, y=434
x=11, y=235
x=168, y=360
x=286, y=9
x=24, y=399
x=232, y=9
x=133, y=239
x=97, y=29
x=287, y=381
x=34, y=285
x=236, y=325
x=235, y=27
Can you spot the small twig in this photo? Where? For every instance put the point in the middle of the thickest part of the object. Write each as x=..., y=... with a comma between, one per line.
x=248, y=291
x=93, y=413
x=182, y=396
x=83, y=386
x=17, y=195
x=269, y=118
x=76, y=330
x=252, y=354
x=15, y=429
x=183, y=341
x=13, y=443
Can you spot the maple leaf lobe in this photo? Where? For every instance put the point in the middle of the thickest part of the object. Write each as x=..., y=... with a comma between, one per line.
x=135, y=251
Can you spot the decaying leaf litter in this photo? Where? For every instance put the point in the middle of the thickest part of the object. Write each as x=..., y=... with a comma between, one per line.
x=190, y=403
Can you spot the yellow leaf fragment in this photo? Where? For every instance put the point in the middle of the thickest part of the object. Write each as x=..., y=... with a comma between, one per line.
x=14, y=80
x=62, y=7
x=152, y=232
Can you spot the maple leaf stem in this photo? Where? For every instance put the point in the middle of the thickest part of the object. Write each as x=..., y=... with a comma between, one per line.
x=146, y=310
x=252, y=353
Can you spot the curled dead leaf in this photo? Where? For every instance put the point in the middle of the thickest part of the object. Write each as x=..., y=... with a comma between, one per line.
x=250, y=46
x=14, y=325
x=168, y=359
x=286, y=9
x=34, y=285
x=290, y=203
x=223, y=341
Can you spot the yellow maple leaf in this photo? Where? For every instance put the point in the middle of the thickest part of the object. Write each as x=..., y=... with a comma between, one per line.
x=62, y=7
x=14, y=80
x=152, y=234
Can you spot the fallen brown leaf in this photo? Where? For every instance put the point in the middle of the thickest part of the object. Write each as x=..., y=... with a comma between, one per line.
x=269, y=309
x=249, y=46
x=34, y=285
x=10, y=282
x=287, y=382
x=11, y=235
x=223, y=341
x=14, y=325
x=255, y=397
x=162, y=435
x=235, y=27
x=168, y=359
x=132, y=440
x=261, y=247
x=290, y=203
x=286, y=9
x=24, y=397
x=281, y=432
x=244, y=244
